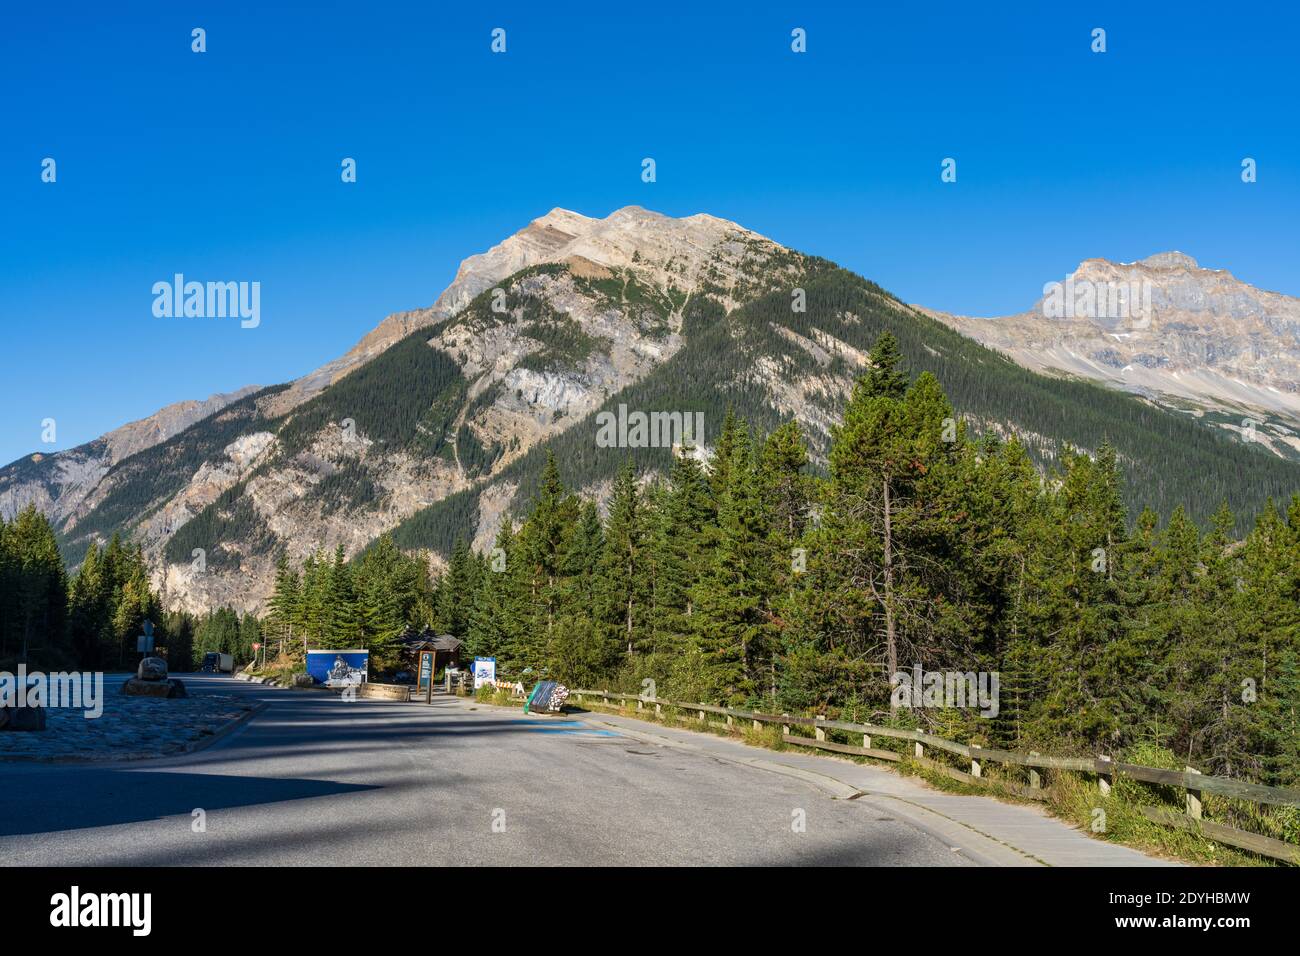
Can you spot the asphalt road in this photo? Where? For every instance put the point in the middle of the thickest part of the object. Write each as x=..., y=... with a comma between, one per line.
x=317, y=780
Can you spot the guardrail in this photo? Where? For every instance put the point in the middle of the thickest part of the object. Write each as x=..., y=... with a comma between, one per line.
x=1194, y=783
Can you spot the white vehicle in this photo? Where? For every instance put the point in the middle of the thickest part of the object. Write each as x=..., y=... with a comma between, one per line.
x=215, y=663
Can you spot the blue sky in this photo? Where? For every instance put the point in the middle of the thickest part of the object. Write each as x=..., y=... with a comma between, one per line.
x=225, y=165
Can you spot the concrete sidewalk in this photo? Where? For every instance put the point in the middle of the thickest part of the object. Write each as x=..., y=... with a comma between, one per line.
x=997, y=833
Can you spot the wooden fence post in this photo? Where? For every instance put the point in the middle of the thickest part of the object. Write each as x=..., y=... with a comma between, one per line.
x=1104, y=778
x=918, y=750
x=975, y=769
x=1193, y=799
x=659, y=709
x=1035, y=781
x=730, y=720
x=866, y=741
x=818, y=732
x=701, y=716
x=758, y=725
x=785, y=728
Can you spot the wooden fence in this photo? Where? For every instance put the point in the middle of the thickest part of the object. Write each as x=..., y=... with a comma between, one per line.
x=1192, y=782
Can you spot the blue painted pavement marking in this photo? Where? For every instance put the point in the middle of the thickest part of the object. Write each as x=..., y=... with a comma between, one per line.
x=547, y=726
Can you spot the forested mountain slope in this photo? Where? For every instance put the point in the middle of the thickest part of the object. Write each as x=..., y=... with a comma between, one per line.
x=435, y=425
x=770, y=364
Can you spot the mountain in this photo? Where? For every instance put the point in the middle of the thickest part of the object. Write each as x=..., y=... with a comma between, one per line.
x=659, y=250
x=1191, y=339
x=59, y=482
x=435, y=424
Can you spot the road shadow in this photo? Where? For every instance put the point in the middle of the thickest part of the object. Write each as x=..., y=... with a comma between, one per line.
x=97, y=797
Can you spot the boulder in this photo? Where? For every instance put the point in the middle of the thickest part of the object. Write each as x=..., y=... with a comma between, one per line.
x=152, y=668
x=167, y=689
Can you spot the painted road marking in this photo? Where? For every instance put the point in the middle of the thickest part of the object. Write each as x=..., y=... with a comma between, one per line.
x=545, y=726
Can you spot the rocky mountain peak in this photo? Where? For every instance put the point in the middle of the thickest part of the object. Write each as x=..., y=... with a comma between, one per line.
x=1168, y=329
x=660, y=250
x=1169, y=260
x=632, y=237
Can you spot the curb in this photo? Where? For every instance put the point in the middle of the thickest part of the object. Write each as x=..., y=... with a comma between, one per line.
x=229, y=728
x=191, y=747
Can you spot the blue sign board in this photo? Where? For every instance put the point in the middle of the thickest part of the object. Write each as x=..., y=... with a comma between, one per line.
x=338, y=668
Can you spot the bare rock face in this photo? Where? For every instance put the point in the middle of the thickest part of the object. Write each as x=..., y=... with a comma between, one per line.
x=1166, y=328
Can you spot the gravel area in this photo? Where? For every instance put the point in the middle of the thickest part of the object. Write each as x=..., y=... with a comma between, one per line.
x=129, y=728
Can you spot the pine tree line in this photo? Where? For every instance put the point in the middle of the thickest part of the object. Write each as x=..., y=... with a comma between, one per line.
x=330, y=603
x=92, y=620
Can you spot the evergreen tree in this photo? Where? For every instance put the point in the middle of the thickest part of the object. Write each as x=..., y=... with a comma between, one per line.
x=621, y=594
x=543, y=541
x=500, y=609
x=731, y=624
x=35, y=606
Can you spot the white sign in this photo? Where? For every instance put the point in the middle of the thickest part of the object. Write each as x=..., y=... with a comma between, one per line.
x=485, y=671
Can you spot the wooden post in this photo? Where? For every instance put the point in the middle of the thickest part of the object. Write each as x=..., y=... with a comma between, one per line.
x=1035, y=781
x=640, y=704
x=730, y=721
x=1193, y=799
x=975, y=769
x=1104, y=779
x=866, y=741
x=701, y=716
x=757, y=725
x=818, y=732
x=658, y=708
x=918, y=750
x=785, y=728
